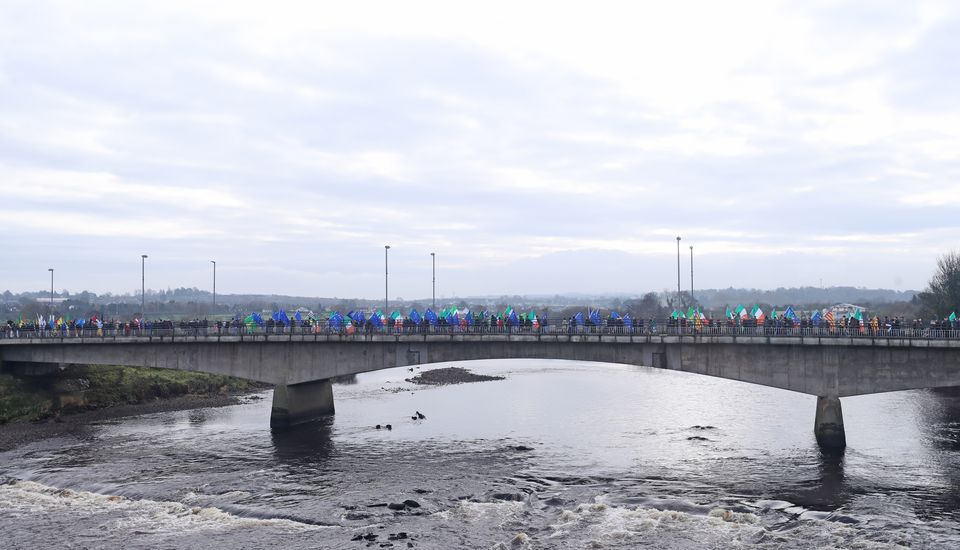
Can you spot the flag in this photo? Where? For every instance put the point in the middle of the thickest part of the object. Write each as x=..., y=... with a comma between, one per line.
x=415, y=317
x=614, y=315
x=298, y=317
x=595, y=317
x=627, y=321
x=952, y=318
x=742, y=312
x=729, y=314
x=578, y=318
x=431, y=317
x=691, y=312
x=829, y=317
x=815, y=318
x=858, y=315
x=790, y=314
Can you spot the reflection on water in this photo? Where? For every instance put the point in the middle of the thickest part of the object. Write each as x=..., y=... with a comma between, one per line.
x=565, y=454
x=308, y=442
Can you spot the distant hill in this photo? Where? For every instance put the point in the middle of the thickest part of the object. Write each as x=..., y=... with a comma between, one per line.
x=714, y=298
x=195, y=302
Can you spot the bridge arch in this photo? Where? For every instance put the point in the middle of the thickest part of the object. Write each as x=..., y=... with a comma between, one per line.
x=301, y=366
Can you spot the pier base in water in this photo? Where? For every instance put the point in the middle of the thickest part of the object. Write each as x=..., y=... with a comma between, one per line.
x=828, y=426
x=296, y=403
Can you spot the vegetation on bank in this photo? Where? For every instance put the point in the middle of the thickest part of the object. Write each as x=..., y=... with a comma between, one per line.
x=80, y=388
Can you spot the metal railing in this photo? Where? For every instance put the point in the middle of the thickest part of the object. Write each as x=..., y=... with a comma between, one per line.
x=647, y=328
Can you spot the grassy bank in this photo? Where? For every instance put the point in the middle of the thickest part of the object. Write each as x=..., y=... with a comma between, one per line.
x=86, y=387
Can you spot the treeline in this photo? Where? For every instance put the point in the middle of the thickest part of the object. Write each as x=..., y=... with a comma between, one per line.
x=192, y=302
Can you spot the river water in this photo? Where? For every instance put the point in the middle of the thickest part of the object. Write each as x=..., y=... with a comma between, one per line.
x=557, y=455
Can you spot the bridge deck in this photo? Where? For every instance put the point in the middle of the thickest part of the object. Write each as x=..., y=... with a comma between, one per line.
x=694, y=339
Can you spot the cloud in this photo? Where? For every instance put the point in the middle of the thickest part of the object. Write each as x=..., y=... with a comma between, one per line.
x=294, y=144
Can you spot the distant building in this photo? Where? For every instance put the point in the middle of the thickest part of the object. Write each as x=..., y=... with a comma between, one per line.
x=846, y=310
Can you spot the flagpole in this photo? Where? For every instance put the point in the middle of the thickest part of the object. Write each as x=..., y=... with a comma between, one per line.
x=691, y=276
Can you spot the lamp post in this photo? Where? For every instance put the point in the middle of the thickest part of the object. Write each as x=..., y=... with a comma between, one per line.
x=50, y=269
x=433, y=258
x=691, y=275
x=386, y=280
x=214, y=262
x=679, y=299
x=143, y=285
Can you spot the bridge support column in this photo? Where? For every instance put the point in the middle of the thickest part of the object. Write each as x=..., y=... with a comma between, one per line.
x=828, y=426
x=297, y=403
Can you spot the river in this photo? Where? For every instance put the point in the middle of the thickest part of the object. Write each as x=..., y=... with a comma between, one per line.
x=557, y=455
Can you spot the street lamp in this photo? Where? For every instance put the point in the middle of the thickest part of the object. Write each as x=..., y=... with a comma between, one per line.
x=143, y=285
x=691, y=275
x=50, y=269
x=386, y=280
x=433, y=258
x=214, y=262
x=679, y=298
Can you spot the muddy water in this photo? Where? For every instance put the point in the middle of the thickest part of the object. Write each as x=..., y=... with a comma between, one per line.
x=556, y=455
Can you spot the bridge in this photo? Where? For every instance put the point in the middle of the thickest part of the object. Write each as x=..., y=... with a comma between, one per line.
x=301, y=361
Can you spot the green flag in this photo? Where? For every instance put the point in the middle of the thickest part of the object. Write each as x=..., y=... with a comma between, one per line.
x=953, y=316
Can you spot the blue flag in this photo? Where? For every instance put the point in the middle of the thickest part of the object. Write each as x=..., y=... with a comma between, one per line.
x=595, y=317
x=431, y=317
x=789, y=314
x=627, y=321
x=578, y=318
x=415, y=317
x=298, y=317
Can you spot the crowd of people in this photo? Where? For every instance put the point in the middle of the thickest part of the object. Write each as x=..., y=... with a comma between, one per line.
x=450, y=320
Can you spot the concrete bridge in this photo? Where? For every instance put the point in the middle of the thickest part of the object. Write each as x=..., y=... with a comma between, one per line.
x=302, y=365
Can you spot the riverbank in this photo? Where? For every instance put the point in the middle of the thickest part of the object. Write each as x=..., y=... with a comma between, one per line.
x=17, y=434
x=44, y=406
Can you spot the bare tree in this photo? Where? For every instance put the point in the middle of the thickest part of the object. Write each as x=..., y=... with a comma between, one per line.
x=942, y=295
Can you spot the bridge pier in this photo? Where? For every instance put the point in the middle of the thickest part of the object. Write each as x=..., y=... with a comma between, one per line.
x=828, y=425
x=296, y=403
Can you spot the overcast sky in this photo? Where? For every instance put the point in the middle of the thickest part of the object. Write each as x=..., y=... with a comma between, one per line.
x=536, y=147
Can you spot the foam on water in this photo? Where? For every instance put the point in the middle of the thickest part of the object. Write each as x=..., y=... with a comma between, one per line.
x=21, y=498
